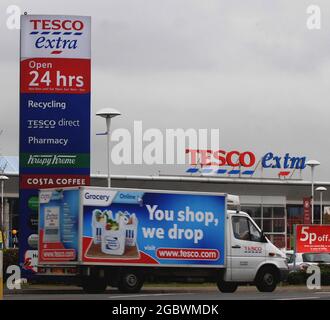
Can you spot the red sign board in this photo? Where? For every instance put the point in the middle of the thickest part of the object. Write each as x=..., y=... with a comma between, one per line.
x=43, y=181
x=307, y=210
x=312, y=238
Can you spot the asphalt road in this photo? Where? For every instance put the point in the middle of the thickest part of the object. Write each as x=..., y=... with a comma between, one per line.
x=167, y=293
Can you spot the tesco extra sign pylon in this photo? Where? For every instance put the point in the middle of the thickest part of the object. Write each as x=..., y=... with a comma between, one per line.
x=55, y=89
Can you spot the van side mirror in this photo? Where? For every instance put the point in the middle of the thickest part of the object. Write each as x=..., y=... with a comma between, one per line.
x=263, y=237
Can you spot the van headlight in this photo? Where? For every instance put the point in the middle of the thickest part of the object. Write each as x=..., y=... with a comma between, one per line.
x=276, y=255
x=286, y=263
x=304, y=266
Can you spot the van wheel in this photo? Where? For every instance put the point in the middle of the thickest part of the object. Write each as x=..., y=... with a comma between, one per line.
x=227, y=287
x=267, y=279
x=130, y=282
x=94, y=284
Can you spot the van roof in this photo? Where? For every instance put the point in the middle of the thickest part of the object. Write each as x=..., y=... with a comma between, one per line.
x=233, y=200
x=239, y=212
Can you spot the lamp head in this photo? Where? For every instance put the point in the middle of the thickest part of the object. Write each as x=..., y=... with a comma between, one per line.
x=321, y=189
x=313, y=163
x=108, y=113
x=3, y=178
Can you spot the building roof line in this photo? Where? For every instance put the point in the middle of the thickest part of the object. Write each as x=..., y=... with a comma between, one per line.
x=262, y=181
x=212, y=180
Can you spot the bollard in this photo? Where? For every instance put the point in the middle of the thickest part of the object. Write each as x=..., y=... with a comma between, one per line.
x=1, y=274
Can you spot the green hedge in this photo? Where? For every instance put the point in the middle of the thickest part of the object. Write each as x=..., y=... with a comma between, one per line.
x=297, y=277
x=10, y=257
x=300, y=277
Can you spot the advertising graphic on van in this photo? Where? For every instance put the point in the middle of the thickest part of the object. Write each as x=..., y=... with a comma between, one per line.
x=91, y=198
x=155, y=228
x=58, y=226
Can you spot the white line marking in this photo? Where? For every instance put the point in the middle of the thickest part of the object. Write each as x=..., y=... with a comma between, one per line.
x=141, y=295
x=299, y=298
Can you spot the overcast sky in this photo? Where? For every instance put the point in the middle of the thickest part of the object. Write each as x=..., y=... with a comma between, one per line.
x=250, y=68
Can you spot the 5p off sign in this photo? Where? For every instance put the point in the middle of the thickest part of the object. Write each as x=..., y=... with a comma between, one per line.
x=312, y=238
x=55, y=89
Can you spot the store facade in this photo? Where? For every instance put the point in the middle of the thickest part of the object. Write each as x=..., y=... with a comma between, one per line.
x=273, y=203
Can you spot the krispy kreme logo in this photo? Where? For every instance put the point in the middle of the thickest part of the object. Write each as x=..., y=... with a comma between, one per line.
x=56, y=35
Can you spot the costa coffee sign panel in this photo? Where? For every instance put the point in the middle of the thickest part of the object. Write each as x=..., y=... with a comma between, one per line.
x=55, y=36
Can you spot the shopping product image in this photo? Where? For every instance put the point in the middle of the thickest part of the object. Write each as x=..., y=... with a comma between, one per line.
x=131, y=230
x=99, y=220
x=114, y=235
x=52, y=224
x=113, y=238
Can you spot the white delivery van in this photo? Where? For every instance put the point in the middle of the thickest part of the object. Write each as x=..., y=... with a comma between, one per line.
x=123, y=237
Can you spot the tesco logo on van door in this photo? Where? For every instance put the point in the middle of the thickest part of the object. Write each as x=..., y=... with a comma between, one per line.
x=56, y=35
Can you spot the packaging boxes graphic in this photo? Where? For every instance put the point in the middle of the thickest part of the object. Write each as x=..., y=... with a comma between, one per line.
x=114, y=234
x=52, y=224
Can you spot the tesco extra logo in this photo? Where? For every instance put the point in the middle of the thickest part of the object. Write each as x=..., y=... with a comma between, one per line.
x=56, y=35
x=244, y=162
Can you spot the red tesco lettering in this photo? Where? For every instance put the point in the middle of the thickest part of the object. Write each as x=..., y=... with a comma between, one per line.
x=68, y=25
x=221, y=158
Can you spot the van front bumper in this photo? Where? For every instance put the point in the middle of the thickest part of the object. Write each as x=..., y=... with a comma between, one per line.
x=284, y=274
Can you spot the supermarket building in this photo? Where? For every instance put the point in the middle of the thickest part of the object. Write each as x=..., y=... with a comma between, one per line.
x=272, y=202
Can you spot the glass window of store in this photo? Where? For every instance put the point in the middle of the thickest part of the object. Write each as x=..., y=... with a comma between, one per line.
x=271, y=219
x=254, y=212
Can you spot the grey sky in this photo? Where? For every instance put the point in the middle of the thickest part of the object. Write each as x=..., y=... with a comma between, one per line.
x=250, y=68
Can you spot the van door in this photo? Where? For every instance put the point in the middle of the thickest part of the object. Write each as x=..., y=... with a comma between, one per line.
x=247, y=250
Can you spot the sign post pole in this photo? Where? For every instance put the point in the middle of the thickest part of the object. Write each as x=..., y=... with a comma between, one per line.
x=321, y=212
x=1, y=274
x=294, y=246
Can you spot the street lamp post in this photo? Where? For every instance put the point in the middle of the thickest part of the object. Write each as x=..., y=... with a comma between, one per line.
x=2, y=179
x=321, y=190
x=108, y=113
x=312, y=164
